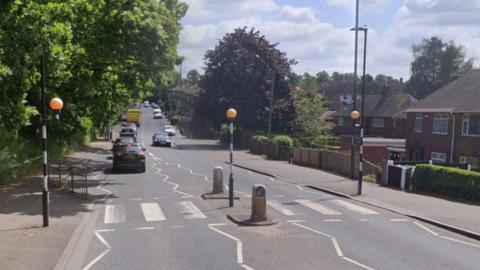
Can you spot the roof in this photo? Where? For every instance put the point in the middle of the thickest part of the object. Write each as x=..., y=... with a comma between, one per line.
x=382, y=106
x=461, y=96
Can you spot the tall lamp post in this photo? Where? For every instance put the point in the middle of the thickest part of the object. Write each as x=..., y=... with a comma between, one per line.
x=355, y=115
x=352, y=160
x=362, y=113
x=231, y=115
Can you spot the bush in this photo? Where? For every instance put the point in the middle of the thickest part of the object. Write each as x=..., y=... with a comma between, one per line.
x=283, y=141
x=445, y=181
x=260, y=138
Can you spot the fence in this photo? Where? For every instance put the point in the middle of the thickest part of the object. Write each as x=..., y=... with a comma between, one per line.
x=335, y=161
x=73, y=179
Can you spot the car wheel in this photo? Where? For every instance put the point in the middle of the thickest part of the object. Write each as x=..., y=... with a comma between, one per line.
x=143, y=169
x=169, y=145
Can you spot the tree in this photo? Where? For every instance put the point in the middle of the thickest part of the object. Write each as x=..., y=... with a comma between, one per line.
x=193, y=76
x=309, y=107
x=435, y=64
x=238, y=73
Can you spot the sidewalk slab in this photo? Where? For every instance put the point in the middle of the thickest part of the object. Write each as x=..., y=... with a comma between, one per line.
x=25, y=243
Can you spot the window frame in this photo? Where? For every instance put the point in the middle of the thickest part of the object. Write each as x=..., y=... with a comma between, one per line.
x=465, y=160
x=418, y=116
x=372, y=124
x=466, y=121
x=440, y=117
x=438, y=154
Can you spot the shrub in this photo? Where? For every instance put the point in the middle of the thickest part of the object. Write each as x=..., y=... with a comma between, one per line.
x=260, y=138
x=445, y=181
x=283, y=141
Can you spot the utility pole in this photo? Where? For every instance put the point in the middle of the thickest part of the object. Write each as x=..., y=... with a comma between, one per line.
x=271, y=105
x=45, y=195
x=362, y=113
x=352, y=160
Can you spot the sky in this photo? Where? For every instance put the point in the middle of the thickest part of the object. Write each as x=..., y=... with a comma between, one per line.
x=317, y=33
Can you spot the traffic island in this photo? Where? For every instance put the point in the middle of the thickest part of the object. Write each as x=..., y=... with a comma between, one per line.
x=217, y=193
x=259, y=210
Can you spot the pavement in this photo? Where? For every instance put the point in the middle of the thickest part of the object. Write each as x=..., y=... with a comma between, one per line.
x=457, y=216
x=25, y=244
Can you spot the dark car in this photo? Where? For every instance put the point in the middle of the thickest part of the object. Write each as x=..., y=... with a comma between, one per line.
x=161, y=139
x=123, y=141
x=129, y=156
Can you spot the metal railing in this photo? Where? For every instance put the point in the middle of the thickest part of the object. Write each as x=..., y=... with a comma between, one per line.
x=73, y=179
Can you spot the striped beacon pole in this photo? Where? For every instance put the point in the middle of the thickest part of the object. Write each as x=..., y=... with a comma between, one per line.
x=355, y=115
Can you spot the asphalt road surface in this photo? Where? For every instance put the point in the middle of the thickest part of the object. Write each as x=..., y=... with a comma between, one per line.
x=158, y=220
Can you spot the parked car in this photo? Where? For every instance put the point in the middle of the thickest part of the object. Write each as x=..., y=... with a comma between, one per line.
x=157, y=115
x=129, y=156
x=123, y=141
x=170, y=130
x=161, y=139
x=128, y=132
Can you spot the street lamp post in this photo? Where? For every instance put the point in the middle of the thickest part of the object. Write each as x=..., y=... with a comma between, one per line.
x=352, y=160
x=355, y=115
x=364, y=29
x=231, y=115
x=45, y=197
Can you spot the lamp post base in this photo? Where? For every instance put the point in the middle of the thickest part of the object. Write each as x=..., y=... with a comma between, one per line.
x=45, y=199
x=230, y=191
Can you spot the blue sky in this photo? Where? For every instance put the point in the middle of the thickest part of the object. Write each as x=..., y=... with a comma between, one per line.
x=316, y=32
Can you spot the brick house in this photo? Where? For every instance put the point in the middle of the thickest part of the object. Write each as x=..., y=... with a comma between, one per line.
x=384, y=116
x=445, y=125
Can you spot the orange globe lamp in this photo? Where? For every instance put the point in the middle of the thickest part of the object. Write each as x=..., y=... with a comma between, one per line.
x=56, y=104
x=231, y=114
x=355, y=115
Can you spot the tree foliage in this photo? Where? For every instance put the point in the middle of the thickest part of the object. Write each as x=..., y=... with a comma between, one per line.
x=309, y=107
x=239, y=73
x=435, y=64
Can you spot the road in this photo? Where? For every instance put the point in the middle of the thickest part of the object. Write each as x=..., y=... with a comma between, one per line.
x=158, y=220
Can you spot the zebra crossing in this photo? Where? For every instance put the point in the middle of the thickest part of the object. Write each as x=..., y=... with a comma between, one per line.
x=152, y=211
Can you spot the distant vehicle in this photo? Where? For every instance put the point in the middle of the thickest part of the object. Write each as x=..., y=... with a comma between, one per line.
x=146, y=104
x=128, y=132
x=161, y=139
x=132, y=126
x=157, y=110
x=170, y=130
x=155, y=106
x=157, y=115
x=128, y=157
x=134, y=116
x=123, y=117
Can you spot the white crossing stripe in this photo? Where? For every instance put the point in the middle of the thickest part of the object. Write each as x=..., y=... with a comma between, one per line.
x=114, y=214
x=190, y=210
x=354, y=207
x=318, y=207
x=280, y=208
x=152, y=212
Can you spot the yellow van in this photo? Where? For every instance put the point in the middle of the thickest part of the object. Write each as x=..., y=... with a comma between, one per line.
x=134, y=116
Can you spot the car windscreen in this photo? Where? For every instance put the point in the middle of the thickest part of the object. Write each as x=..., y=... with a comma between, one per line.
x=129, y=149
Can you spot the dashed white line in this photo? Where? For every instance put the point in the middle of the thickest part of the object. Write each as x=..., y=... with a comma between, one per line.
x=135, y=199
x=279, y=207
x=398, y=220
x=296, y=220
x=318, y=207
x=143, y=228
x=333, y=220
x=355, y=208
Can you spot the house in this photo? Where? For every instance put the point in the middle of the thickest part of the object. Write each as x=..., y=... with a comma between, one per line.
x=185, y=96
x=445, y=125
x=384, y=116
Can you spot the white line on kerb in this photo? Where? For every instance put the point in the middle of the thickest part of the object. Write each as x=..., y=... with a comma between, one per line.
x=460, y=241
x=425, y=228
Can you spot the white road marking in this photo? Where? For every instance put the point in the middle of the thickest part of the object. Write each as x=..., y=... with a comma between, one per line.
x=99, y=257
x=312, y=230
x=135, y=199
x=271, y=179
x=152, y=212
x=425, y=228
x=106, y=230
x=460, y=241
x=398, y=220
x=296, y=220
x=114, y=214
x=299, y=187
x=333, y=220
x=239, y=245
x=354, y=207
x=357, y=263
x=363, y=220
x=337, y=247
x=143, y=228
x=318, y=207
x=280, y=208
x=246, y=267
x=190, y=210
x=250, y=172
x=109, y=193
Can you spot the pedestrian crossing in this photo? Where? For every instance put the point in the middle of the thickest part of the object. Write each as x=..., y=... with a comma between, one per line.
x=152, y=211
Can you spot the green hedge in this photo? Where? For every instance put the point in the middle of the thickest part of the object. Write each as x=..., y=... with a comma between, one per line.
x=283, y=141
x=445, y=181
x=260, y=138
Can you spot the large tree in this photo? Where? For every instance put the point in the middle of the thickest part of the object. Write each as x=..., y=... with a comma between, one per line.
x=239, y=73
x=435, y=64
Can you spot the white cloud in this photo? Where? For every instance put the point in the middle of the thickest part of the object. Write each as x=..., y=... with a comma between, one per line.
x=302, y=14
x=351, y=3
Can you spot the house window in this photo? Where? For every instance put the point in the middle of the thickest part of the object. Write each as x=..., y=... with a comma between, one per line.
x=341, y=121
x=378, y=122
x=418, y=122
x=439, y=157
x=440, y=123
x=470, y=125
x=468, y=160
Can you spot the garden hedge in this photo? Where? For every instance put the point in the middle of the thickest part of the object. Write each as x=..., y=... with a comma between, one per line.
x=448, y=182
